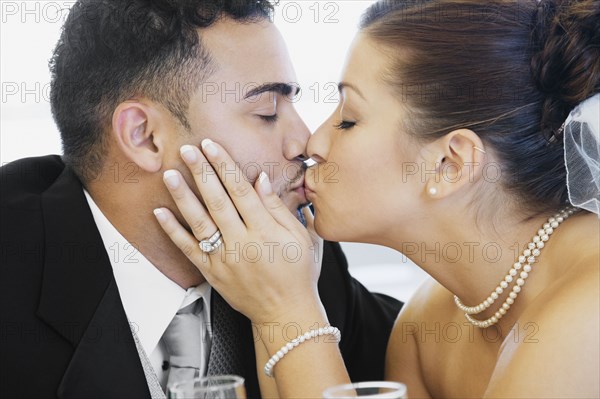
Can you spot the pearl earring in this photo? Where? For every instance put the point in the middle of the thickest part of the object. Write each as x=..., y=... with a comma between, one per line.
x=433, y=191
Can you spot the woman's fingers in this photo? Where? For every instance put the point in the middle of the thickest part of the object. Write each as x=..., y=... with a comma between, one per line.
x=274, y=205
x=310, y=221
x=216, y=199
x=193, y=212
x=239, y=189
x=186, y=242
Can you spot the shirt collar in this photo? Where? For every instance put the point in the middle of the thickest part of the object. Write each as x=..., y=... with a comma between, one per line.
x=150, y=298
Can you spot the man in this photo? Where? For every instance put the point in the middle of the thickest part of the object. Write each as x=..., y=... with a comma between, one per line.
x=90, y=284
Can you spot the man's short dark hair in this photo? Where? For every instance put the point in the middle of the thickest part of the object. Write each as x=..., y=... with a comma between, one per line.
x=112, y=50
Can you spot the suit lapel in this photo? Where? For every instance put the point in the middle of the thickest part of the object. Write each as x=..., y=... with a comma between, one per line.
x=106, y=363
x=80, y=300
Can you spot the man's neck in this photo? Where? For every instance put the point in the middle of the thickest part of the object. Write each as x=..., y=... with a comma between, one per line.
x=131, y=214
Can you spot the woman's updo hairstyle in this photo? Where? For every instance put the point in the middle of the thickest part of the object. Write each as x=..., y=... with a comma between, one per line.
x=511, y=71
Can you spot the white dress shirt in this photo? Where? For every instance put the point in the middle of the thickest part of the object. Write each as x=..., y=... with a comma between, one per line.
x=150, y=298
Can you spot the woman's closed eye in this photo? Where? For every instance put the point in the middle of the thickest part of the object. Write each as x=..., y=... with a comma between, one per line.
x=269, y=118
x=345, y=125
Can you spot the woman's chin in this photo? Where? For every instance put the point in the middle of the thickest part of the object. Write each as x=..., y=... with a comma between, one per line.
x=321, y=228
x=327, y=230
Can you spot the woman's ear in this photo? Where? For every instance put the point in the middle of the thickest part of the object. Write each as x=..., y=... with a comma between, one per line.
x=134, y=126
x=454, y=161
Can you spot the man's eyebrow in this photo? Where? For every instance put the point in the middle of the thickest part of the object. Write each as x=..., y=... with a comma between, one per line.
x=343, y=85
x=285, y=89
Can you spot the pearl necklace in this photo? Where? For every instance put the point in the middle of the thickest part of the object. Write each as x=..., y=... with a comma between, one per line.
x=524, y=262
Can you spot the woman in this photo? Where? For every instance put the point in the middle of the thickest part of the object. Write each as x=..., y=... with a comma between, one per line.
x=449, y=146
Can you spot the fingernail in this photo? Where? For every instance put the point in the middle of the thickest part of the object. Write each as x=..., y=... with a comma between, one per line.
x=209, y=147
x=265, y=184
x=188, y=154
x=171, y=178
x=160, y=215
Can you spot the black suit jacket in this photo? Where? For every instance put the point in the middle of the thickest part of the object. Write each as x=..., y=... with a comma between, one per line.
x=64, y=332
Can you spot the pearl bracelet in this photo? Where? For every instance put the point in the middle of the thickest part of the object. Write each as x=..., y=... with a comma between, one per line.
x=297, y=341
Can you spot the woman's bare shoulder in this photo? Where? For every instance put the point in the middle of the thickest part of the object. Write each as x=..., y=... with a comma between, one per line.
x=429, y=306
x=403, y=360
x=558, y=341
x=428, y=301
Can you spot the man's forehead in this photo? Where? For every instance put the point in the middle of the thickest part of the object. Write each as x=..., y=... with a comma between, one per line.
x=251, y=53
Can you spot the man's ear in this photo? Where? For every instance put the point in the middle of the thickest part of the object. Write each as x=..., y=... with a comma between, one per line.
x=453, y=161
x=135, y=126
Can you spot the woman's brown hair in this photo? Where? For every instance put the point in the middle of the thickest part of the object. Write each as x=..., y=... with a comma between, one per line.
x=509, y=70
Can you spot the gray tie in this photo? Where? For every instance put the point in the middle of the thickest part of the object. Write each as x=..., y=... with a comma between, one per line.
x=183, y=339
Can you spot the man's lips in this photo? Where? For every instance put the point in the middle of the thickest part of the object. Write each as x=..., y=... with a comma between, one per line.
x=298, y=188
x=298, y=184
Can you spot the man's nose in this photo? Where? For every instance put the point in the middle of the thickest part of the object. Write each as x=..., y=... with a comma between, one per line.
x=296, y=140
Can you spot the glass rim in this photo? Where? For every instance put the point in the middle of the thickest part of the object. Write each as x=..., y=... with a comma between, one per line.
x=369, y=384
x=236, y=381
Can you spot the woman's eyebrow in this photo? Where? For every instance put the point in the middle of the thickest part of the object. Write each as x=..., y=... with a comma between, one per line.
x=343, y=85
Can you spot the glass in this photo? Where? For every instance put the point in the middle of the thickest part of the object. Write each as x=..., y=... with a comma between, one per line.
x=214, y=387
x=371, y=389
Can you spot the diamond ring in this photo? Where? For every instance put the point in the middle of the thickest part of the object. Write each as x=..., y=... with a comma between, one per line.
x=211, y=244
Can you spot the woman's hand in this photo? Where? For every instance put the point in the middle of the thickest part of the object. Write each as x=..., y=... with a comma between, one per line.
x=269, y=263
x=266, y=268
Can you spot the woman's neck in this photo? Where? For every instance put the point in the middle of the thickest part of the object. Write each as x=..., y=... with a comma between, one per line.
x=470, y=259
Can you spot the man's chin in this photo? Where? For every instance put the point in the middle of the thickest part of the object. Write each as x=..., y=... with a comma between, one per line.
x=295, y=204
x=292, y=201
x=292, y=205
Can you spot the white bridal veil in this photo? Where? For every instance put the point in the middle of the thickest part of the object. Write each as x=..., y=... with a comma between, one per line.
x=582, y=154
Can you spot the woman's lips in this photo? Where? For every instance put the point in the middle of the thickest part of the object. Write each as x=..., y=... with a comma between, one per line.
x=308, y=192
